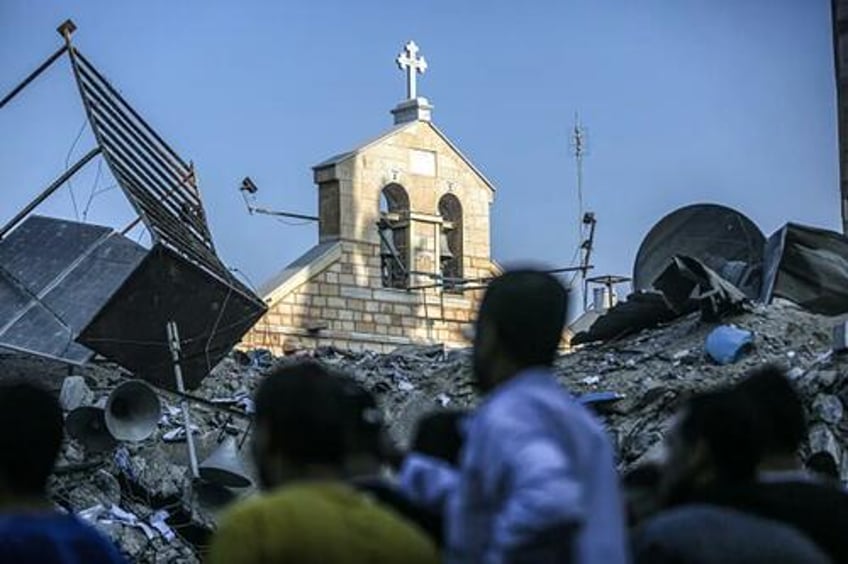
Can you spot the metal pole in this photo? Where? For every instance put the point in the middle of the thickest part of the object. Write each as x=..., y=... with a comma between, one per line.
x=131, y=225
x=33, y=76
x=263, y=211
x=174, y=345
x=49, y=190
x=839, y=20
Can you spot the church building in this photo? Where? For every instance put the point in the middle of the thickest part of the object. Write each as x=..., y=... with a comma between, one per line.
x=403, y=247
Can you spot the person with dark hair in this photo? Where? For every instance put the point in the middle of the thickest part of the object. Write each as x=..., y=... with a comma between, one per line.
x=308, y=513
x=439, y=435
x=365, y=433
x=367, y=445
x=782, y=423
x=712, y=447
x=31, y=530
x=713, y=442
x=429, y=473
x=784, y=490
x=536, y=479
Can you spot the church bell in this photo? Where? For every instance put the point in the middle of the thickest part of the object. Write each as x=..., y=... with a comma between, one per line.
x=224, y=466
x=132, y=411
x=87, y=424
x=387, y=246
x=444, y=248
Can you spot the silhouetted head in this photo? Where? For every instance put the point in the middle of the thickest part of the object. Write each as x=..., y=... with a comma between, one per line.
x=300, y=419
x=713, y=443
x=439, y=434
x=519, y=325
x=779, y=410
x=30, y=439
x=364, y=430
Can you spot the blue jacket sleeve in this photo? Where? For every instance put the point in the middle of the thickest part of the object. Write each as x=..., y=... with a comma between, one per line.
x=427, y=481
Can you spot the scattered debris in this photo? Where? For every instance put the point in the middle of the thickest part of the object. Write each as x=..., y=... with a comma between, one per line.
x=840, y=337
x=75, y=393
x=828, y=408
x=689, y=285
x=641, y=310
x=644, y=377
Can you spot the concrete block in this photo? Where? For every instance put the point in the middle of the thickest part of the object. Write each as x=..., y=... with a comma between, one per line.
x=328, y=290
x=75, y=393
x=329, y=313
x=395, y=296
x=400, y=309
x=356, y=292
x=364, y=327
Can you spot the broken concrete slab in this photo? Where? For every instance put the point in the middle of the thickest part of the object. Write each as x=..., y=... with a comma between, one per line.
x=75, y=393
x=828, y=408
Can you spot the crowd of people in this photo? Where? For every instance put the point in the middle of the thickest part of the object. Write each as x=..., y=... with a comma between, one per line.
x=528, y=476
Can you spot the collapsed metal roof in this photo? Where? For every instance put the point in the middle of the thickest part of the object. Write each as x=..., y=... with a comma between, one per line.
x=123, y=312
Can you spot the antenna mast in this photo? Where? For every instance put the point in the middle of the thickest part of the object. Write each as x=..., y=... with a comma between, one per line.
x=586, y=221
x=578, y=143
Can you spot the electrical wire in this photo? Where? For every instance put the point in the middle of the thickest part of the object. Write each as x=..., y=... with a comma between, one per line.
x=246, y=279
x=215, y=329
x=93, y=190
x=68, y=166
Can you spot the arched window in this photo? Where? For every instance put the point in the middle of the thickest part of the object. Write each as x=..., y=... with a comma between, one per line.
x=450, y=245
x=394, y=236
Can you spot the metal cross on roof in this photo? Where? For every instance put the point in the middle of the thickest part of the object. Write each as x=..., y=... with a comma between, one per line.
x=410, y=62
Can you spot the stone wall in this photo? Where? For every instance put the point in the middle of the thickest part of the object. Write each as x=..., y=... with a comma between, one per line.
x=346, y=306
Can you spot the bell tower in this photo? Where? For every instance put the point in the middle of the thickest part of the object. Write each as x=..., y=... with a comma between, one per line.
x=403, y=238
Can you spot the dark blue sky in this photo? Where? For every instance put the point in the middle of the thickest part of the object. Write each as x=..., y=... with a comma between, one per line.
x=727, y=101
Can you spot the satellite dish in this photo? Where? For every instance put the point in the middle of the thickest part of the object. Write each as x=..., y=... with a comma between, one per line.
x=720, y=237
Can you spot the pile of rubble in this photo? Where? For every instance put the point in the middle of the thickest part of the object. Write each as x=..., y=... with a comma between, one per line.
x=141, y=494
x=635, y=383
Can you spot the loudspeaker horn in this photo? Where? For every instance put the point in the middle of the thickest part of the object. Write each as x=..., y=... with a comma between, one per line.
x=132, y=411
x=87, y=424
x=224, y=466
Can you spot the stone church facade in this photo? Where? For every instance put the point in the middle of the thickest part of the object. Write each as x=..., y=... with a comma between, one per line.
x=403, y=244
